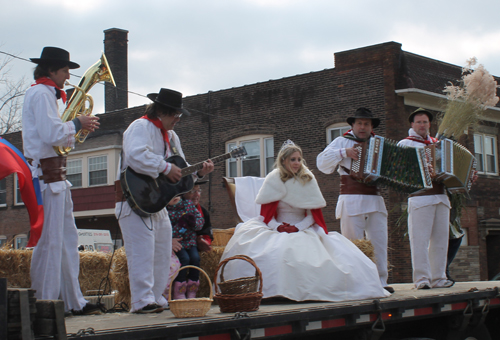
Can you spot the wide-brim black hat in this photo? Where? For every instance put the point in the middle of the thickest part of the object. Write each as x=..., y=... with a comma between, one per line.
x=420, y=111
x=200, y=181
x=53, y=55
x=169, y=98
x=363, y=113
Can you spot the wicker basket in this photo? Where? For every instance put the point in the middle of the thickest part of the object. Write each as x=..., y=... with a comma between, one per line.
x=189, y=308
x=245, y=302
x=222, y=236
x=242, y=285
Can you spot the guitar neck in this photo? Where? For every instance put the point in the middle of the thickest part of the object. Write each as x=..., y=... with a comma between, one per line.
x=198, y=166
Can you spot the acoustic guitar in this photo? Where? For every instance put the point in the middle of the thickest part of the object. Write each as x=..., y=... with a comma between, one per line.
x=147, y=195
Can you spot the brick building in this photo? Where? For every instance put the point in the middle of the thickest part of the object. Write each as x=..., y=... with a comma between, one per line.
x=310, y=109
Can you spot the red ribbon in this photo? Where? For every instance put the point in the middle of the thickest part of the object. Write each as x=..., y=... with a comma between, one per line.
x=159, y=125
x=49, y=82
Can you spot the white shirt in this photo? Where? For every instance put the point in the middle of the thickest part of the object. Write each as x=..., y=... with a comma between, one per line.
x=335, y=155
x=43, y=129
x=423, y=201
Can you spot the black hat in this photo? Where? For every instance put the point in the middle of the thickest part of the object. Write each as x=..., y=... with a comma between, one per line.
x=169, y=98
x=363, y=112
x=200, y=181
x=54, y=55
x=420, y=111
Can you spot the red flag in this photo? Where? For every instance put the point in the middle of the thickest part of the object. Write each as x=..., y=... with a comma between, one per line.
x=12, y=160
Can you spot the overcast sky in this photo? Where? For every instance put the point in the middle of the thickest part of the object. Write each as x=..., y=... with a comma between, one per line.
x=196, y=46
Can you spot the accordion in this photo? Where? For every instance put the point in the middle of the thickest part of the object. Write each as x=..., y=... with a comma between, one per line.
x=409, y=169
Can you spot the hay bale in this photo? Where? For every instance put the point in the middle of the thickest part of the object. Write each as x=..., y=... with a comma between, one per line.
x=209, y=262
x=15, y=266
x=119, y=277
x=94, y=267
x=366, y=247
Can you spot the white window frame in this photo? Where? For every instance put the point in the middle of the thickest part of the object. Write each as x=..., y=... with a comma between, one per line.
x=4, y=192
x=18, y=201
x=90, y=171
x=341, y=127
x=69, y=169
x=3, y=240
x=20, y=236
x=483, y=137
x=264, y=154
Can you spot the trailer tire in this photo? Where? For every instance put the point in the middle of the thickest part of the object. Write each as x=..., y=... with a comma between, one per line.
x=479, y=333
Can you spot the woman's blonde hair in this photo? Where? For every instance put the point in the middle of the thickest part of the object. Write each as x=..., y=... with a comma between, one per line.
x=285, y=174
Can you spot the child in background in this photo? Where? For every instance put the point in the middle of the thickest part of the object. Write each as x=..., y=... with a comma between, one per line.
x=186, y=220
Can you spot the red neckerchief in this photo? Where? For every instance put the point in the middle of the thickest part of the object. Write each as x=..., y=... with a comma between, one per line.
x=49, y=82
x=159, y=125
x=426, y=142
x=348, y=135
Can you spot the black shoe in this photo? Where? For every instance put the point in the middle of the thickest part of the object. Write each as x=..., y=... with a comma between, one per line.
x=151, y=308
x=88, y=309
x=389, y=289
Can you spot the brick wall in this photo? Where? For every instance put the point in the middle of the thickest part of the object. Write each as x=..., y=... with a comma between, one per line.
x=465, y=266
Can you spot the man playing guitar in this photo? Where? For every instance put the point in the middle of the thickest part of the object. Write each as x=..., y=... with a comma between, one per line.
x=147, y=142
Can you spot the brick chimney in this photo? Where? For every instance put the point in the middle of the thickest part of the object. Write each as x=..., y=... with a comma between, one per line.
x=115, y=49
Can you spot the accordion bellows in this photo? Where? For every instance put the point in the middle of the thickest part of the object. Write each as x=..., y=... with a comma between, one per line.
x=409, y=169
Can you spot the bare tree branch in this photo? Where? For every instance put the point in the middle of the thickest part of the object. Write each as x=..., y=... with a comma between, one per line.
x=11, y=98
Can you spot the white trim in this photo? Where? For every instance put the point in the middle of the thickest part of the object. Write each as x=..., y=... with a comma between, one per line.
x=434, y=101
x=103, y=148
x=91, y=213
x=16, y=184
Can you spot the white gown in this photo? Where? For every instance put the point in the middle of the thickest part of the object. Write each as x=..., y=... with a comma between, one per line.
x=306, y=265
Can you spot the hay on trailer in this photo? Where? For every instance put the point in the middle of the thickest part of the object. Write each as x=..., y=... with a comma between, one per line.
x=119, y=277
x=366, y=247
x=15, y=266
x=94, y=267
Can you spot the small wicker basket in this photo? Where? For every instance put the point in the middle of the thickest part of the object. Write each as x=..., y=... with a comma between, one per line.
x=244, y=302
x=190, y=308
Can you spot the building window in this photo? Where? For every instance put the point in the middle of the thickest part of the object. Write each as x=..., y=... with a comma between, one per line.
x=259, y=159
x=336, y=130
x=20, y=241
x=74, y=172
x=3, y=240
x=98, y=170
x=18, y=200
x=486, y=154
x=3, y=192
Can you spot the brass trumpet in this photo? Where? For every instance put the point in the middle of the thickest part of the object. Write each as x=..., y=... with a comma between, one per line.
x=100, y=71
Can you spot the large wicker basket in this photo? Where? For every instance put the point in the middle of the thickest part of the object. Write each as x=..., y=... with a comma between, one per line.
x=189, y=308
x=242, y=285
x=245, y=302
x=222, y=236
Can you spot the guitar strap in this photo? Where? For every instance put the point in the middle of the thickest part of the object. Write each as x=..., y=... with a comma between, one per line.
x=174, y=149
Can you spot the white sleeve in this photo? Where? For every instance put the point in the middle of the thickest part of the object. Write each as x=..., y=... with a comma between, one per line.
x=273, y=224
x=329, y=159
x=49, y=125
x=306, y=222
x=138, y=151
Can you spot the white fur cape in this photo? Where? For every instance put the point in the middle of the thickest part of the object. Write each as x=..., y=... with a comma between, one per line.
x=292, y=192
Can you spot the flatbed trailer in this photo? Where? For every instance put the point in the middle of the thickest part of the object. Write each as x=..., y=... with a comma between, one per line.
x=468, y=310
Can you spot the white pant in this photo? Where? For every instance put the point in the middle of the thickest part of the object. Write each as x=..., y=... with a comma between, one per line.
x=55, y=264
x=374, y=224
x=428, y=227
x=148, y=257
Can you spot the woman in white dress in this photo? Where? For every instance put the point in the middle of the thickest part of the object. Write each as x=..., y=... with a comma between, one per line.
x=290, y=244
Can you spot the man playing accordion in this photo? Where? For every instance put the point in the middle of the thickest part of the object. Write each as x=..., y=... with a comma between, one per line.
x=428, y=216
x=360, y=207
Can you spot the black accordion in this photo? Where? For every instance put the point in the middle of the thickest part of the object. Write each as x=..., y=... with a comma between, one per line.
x=408, y=169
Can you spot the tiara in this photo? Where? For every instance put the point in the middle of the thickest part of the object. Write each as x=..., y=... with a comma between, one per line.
x=288, y=143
